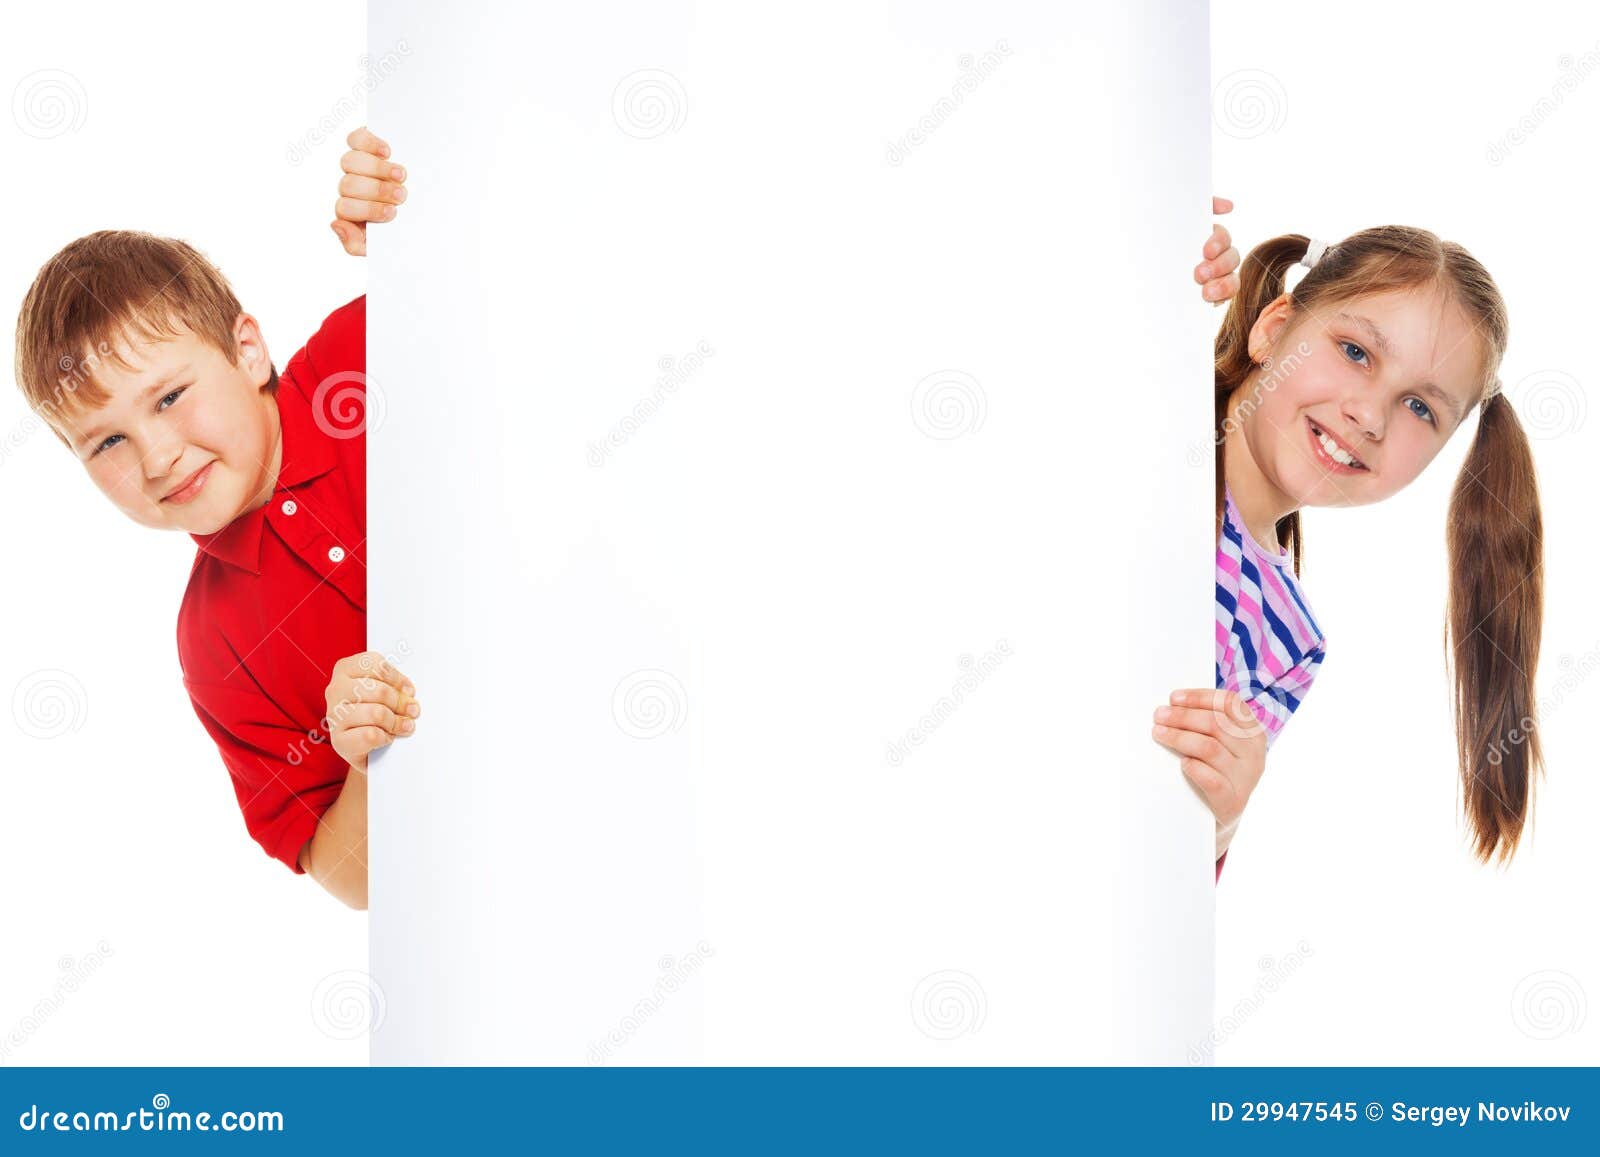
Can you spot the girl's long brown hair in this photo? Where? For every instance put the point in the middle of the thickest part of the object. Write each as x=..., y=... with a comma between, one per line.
x=1494, y=533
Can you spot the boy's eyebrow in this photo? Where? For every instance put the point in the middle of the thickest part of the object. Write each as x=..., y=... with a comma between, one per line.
x=1383, y=344
x=144, y=394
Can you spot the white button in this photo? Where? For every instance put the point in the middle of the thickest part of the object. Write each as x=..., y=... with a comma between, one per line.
x=336, y=554
x=289, y=506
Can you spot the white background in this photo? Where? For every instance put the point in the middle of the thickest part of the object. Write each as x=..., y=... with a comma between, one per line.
x=126, y=831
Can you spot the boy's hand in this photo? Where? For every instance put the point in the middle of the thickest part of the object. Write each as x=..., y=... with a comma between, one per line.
x=1215, y=274
x=370, y=704
x=370, y=190
x=1224, y=747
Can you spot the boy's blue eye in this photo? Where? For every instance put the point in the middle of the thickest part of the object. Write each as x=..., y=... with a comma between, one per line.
x=111, y=441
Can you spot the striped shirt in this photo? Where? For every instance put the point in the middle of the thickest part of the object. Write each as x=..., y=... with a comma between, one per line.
x=1269, y=646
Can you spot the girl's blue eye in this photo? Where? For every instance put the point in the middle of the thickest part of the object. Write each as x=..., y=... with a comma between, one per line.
x=1425, y=413
x=1358, y=349
x=111, y=441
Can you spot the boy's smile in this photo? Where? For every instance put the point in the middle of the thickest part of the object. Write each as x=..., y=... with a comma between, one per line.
x=188, y=441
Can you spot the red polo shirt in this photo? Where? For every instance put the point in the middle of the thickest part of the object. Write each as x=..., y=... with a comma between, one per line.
x=279, y=595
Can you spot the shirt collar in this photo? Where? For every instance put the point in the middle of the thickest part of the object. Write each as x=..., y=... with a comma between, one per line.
x=307, y=453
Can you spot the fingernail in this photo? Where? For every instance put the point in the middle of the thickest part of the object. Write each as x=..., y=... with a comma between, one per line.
x=410, y=690
x=398, y=172
x=1163, y=713
x=388, y=211
x=407, y=725
x=413, y=710
x=1179, y=697
x=399, y=194
x=1210, y=292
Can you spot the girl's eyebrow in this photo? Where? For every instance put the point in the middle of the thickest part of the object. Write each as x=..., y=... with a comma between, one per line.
x=1383, y=344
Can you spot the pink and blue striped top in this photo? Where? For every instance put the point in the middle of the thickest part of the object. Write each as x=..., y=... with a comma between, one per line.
x=1269, y=646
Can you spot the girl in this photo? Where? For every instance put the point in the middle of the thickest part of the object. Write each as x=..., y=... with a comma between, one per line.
x=1339, y=393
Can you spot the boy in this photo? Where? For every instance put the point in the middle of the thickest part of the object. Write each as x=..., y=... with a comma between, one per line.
x=135, y=351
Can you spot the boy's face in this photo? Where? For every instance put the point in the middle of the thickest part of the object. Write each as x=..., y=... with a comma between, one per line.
x=183, y=413
x=1334, y=380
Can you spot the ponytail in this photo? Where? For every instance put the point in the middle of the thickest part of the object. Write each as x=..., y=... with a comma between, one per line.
x=1495, y=539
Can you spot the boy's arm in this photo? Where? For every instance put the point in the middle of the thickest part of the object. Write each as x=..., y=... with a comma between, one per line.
x=336, y=855
x=371, y=189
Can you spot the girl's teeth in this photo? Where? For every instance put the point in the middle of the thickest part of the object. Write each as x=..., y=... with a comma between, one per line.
x=1335, y=451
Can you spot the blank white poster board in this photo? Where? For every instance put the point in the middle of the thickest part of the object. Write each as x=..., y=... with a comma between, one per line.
x=784, y=498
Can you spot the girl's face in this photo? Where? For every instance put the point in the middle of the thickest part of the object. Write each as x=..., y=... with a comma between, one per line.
x=1359, y=396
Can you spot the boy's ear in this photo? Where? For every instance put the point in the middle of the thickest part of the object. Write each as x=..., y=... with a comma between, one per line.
x=251, y=350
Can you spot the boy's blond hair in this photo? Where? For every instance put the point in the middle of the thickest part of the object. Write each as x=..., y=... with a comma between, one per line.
x=107, y=287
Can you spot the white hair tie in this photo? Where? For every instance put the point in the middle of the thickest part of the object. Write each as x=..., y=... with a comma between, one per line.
x=1314, y=252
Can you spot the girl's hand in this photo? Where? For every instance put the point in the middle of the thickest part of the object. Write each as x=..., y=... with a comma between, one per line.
x=370, y=190
x=1216, y=275
x=1224, y=749
x=369, y=706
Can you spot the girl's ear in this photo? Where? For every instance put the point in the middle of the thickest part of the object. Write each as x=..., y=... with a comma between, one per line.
x=1495, y=538
x=1269, y=324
